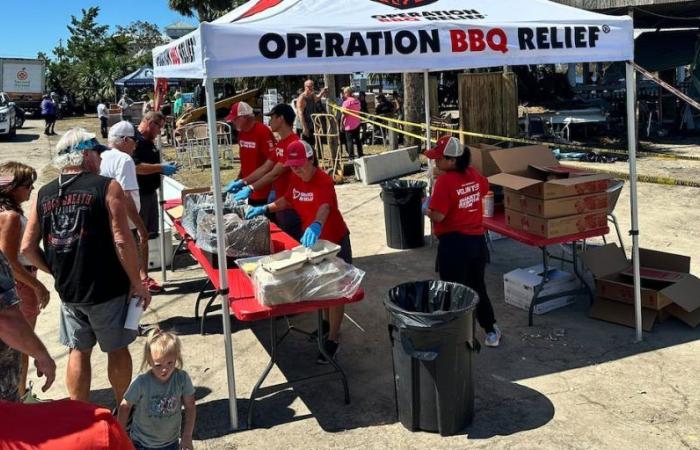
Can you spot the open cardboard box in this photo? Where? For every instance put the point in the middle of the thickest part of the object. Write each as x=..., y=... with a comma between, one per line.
x=677, y=296
x=534, y=171
x=557, y=207
x=481, y=159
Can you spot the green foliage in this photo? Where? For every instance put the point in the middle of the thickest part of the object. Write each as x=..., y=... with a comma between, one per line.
x=93, y=58
x=205, y=10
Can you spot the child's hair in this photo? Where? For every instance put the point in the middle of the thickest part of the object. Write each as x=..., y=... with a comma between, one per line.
x=161, y=343
x=21, y=175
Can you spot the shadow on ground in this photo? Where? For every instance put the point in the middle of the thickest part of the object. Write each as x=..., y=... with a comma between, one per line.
x=24, y=137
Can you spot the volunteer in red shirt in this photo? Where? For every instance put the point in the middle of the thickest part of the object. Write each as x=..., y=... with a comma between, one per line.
x=255, y=141
x=274, y=173
x=457, y=214
x=311, y=193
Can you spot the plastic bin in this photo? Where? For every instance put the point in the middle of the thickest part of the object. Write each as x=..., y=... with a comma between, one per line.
x=403, y=218
x=431, y=328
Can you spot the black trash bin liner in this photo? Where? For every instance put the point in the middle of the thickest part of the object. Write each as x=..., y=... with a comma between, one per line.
x=431, y=328
x=403, y=218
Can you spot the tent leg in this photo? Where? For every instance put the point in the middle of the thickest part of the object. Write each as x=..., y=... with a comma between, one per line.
x=631, y=93
x=426, y=104
x=161, y=225
x=221, y=251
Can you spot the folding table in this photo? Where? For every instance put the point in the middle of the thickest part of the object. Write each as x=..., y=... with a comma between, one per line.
x=497, y=223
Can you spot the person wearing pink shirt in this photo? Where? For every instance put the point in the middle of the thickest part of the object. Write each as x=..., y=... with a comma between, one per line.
x=351, y=123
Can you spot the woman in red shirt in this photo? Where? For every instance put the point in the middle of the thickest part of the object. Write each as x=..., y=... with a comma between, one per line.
x=311, y=193
x=457, y=214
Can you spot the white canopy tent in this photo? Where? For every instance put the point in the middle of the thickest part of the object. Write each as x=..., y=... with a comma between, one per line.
x=297, y=37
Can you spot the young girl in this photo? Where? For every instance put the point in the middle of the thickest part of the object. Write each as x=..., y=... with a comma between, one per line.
x=16, y=184
x=158, y=397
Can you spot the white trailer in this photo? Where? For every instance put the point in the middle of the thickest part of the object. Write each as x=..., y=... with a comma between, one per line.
x=23, y=80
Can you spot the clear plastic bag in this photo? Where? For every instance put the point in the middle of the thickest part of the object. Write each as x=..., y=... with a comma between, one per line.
x=244, y=238
x=204, y=201
x=331, y=279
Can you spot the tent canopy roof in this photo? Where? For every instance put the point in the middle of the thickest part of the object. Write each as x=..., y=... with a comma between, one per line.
x=297, y=37
x=143, y=76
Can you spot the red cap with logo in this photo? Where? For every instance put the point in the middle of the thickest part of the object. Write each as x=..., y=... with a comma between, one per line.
x=239, y=109
x=446, y=146
x=298, y=153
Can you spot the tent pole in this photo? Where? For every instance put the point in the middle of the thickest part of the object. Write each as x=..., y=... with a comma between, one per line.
x=426, y=105
x=221, y=251
x=631, y=94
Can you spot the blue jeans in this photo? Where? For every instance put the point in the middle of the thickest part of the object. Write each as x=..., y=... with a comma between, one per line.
x=173, y=446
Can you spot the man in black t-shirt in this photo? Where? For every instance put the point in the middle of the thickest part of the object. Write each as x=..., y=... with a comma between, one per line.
x=88, y=248
x=149, y=170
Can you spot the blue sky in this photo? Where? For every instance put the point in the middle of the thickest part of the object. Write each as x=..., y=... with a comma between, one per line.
x=30, y=26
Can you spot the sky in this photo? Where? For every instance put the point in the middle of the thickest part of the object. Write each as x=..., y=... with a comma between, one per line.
x=31, y=26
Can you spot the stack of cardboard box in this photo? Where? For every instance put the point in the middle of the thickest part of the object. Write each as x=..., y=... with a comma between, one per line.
x=668, y=288
x=545, y=198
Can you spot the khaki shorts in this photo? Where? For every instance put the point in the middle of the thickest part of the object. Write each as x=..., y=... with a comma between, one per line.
x=82, y=326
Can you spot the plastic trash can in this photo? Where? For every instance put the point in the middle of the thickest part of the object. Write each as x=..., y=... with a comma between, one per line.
x=431, y=328
x=403, y=218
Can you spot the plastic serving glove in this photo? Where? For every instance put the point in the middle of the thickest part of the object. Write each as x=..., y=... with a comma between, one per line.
x=234, y=186
x=169, y=168
x=243, y=194
x=311, y=235
x=255, y=211
x=426, y=205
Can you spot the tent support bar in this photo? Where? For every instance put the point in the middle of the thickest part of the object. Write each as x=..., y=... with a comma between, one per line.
x=631, y=94
x=426, y=105
x=221, y=250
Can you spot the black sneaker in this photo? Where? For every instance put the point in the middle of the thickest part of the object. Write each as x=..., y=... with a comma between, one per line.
x=331, y=348
x=325, y=326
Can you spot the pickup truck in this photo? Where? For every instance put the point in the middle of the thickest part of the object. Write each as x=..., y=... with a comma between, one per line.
x=8, y=116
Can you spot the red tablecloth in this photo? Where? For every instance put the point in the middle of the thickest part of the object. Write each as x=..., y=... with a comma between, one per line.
x=497, y=223
x=241, y=293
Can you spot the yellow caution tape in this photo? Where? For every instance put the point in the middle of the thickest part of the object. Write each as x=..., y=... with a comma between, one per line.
x=581, y=148
x=666, y=181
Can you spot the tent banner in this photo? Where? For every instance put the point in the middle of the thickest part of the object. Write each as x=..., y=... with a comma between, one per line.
x=181, y=58
x=296, y=37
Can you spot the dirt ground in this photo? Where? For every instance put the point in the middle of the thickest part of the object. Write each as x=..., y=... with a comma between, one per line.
x=568, y=382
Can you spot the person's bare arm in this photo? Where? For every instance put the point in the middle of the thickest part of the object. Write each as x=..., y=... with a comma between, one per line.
x=132, y=213
x=258, y=173
x=279, y=205
x=301, y=104
x=435, y=216
x=322, y=213
x=124, y=241
x=270, y=177
x=16, y=332
x=30, y=242
x=123, y=413
x=190, y=417
x=148, y=169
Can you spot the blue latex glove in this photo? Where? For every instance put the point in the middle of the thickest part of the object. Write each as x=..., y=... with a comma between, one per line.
x=169, y=168
x=243, y=194
x=234, y=186
x=311, y=235
x=426, y=205
x=255, y=211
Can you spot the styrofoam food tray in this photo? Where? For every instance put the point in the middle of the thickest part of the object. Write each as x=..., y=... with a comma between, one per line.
x=283, y=262
x=321, y=250
x=242, y=262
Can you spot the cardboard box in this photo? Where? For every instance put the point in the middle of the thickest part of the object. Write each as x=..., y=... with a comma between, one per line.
x=679, y=297
x=561, y=226
x=481, y=159
x=558, y=207
x=519, y=288
x=533, y=171
x=621, y=314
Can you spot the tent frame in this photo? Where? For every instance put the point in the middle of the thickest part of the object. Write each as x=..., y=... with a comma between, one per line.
x=218, y=203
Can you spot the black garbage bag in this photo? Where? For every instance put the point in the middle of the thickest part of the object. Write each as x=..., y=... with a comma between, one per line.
x=431, y=328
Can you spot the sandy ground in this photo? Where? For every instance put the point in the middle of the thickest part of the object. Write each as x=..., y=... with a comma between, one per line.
x=569, y=382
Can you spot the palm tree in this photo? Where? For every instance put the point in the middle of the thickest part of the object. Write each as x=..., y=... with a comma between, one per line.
x=205, y=10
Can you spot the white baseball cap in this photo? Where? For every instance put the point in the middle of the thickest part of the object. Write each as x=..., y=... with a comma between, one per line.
x=239, y=109
x=122, y=129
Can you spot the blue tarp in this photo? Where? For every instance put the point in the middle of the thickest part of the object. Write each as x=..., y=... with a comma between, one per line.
x=141, y=77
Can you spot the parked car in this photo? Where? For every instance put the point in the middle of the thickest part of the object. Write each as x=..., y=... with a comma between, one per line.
x=8, y=125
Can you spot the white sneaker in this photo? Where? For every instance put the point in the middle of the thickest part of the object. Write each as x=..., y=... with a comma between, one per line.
x=493, y=338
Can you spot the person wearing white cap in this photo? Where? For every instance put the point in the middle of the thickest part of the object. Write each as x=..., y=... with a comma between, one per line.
x=255, y=143
x=118, y=164
x=311, y=193
x=457, y=213
x=81, y=219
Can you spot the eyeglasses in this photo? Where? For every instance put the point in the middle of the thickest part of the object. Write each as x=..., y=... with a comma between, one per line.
x=131, y=138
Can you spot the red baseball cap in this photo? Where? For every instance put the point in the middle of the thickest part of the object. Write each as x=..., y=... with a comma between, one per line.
x=239, y=109
x=298, y=153
x=446, y=146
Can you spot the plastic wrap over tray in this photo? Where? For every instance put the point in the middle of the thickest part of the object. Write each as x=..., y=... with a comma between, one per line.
x=194, y=203
x=244, y=238
x=330, y=279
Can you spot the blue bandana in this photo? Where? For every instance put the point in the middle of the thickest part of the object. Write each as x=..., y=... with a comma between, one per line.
x=90, y=144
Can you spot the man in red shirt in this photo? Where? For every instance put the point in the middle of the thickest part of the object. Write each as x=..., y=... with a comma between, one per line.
x=311, y=193
x=457, y=214
x=273, y=171
x=255, y=142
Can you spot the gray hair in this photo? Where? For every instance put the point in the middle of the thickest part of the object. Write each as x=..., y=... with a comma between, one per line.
x=70, y=138
x=111, y=140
